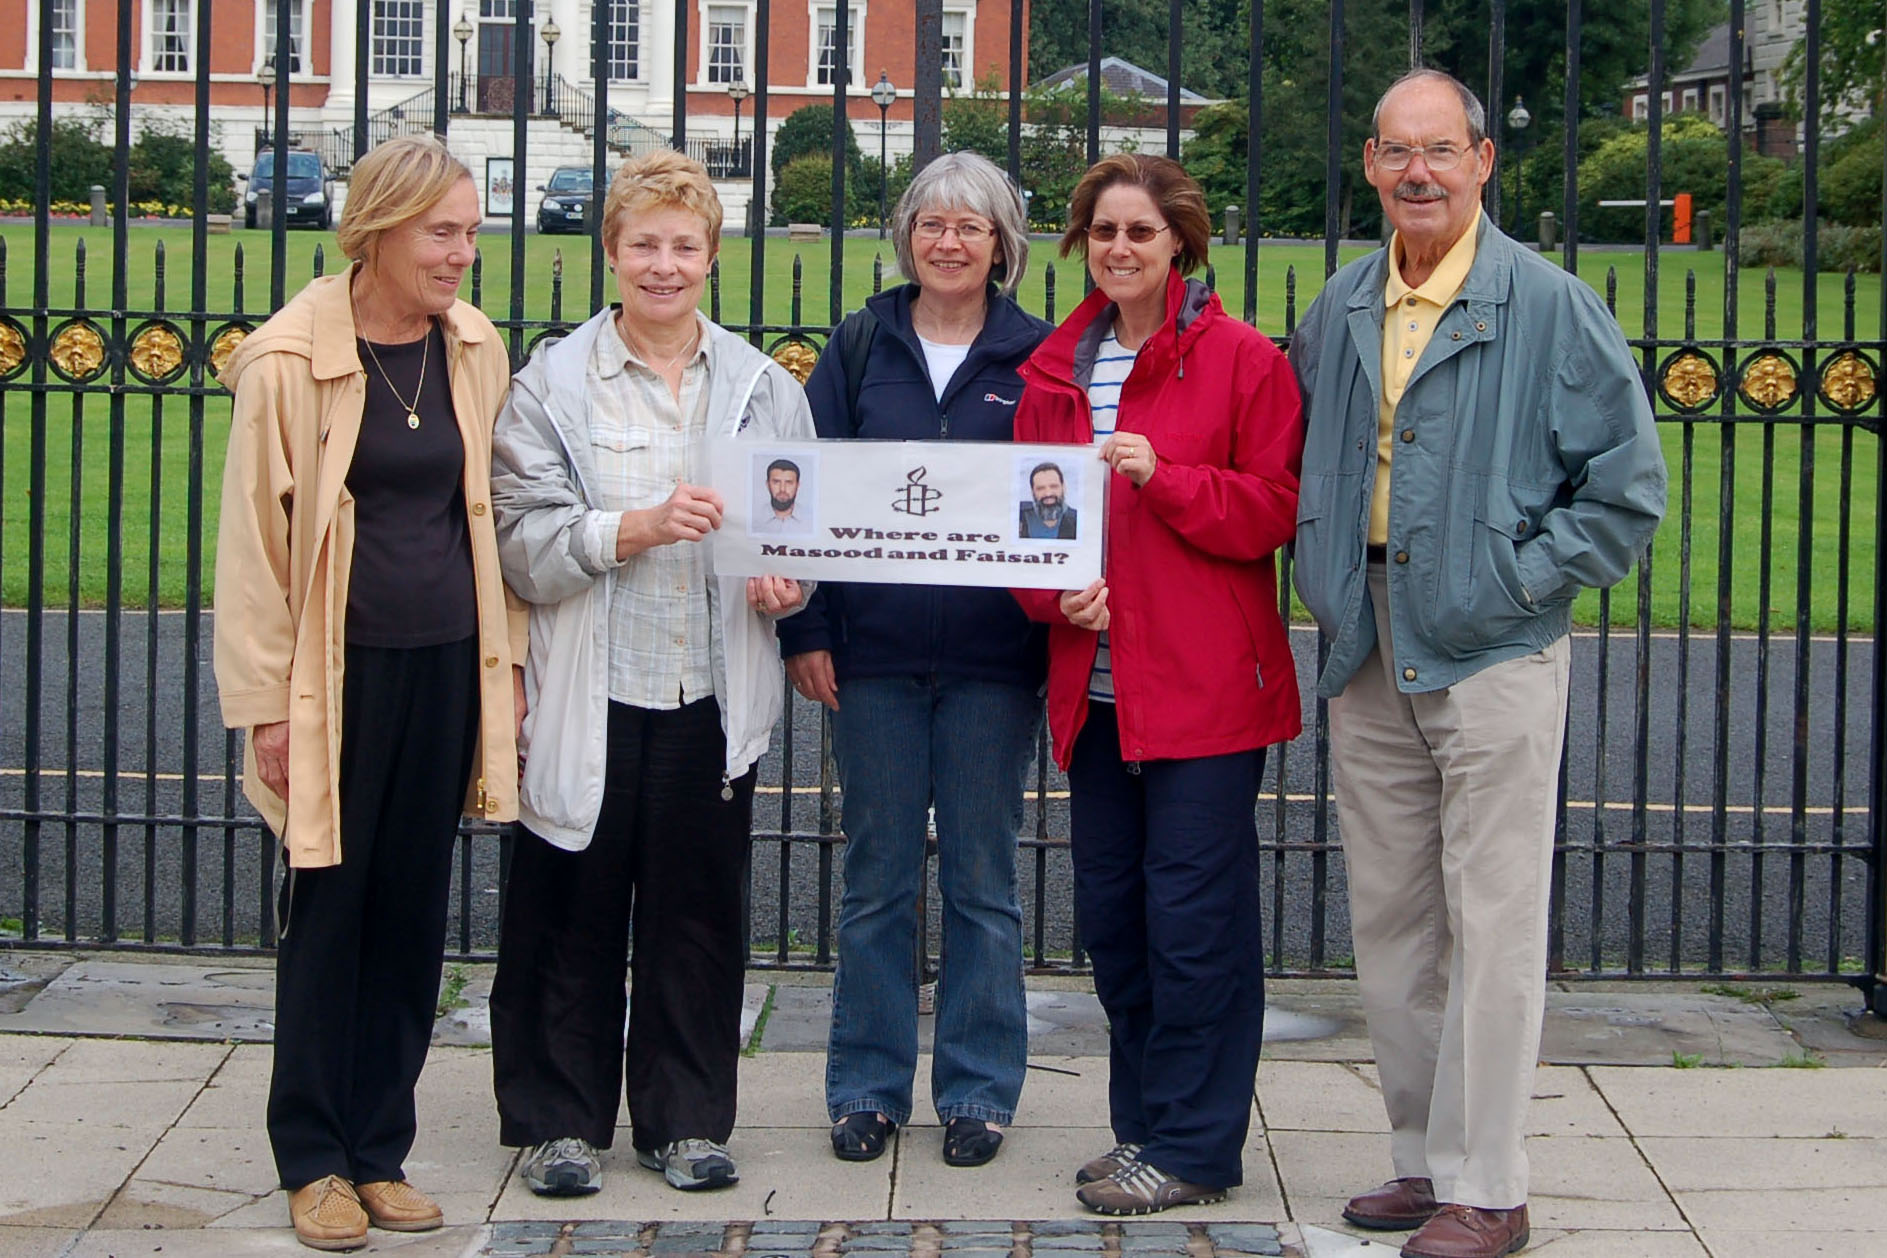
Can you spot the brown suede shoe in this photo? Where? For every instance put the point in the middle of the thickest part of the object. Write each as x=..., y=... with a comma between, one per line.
x=1459, y=1231
x=327, y=1215
x=397, y=1206
x=1397, y=1206
x=1142, y=1188
x=1107, y=1163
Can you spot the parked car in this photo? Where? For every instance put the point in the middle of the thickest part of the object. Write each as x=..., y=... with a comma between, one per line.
x=308, y=197
x=566, y=203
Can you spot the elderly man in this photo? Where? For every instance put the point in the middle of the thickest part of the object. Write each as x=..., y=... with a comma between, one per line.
x=1479, y=449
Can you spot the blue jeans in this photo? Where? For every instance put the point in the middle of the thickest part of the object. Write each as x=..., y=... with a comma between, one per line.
x=904, y=744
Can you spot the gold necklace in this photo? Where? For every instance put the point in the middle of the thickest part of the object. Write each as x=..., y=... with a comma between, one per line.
x=412, y=412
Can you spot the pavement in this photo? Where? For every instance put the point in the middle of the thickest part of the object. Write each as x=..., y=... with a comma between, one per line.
x=1669, y=1121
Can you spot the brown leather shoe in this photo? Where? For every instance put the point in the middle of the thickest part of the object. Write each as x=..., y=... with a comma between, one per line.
x=1107, y=1163
x=397, y=1206
x=1459, y=1231
x=327, y=1215
x=1397, y=1206
x=1142, y=1188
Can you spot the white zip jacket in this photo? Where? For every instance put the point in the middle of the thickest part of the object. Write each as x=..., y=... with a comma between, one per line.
x=543, y=491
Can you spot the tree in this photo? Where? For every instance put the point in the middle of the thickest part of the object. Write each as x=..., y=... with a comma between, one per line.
x=808, y=129
x=1851, y=67
x=978, y=122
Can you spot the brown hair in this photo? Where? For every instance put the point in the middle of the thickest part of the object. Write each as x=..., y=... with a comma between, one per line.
x=398, y=181
x=1177, y=194
x=662, y=180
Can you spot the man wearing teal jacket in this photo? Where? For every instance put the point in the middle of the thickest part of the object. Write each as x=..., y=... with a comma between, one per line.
x=1479, y=448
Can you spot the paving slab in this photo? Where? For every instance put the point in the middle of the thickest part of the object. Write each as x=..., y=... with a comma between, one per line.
x=1319, y=1096
x=1322, y=1170
x=448, y=1242
x=782, y=1090
x=61, y=1174
x=1807, y=1103
x=1566, y=1104
x=148, y=1204
x=36, y=1242
x=1852, y=1208
x=165, y=999
x=1581, y=1182
x=136, y=1061
x=1064, y=1091
x=216, y=1159
x=1833, y=1023
x=1767, y=1244
x=141, y=1105
x=1699, y=1164
x=1585, y=1026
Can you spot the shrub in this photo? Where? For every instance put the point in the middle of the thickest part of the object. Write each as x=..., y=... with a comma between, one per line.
x=1851, y=176
x=79, y=160
x=803, y=190
x=163, y=168
x=808, y=131
x=1839, y=246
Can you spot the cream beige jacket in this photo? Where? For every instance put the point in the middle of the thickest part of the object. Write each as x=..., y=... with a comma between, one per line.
x=286, y=541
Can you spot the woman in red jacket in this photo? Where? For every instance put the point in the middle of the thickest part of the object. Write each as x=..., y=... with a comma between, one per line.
x=1168, y=678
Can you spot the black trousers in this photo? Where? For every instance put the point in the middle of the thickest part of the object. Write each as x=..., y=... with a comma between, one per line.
x=1166, y=892
x=357, y=969
x=669, y=857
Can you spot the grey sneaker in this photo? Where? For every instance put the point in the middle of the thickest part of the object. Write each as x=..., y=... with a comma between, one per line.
x=692, y=1164
x=563, y=1168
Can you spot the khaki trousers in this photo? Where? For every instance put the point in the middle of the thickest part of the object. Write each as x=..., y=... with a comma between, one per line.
x=1445, y=802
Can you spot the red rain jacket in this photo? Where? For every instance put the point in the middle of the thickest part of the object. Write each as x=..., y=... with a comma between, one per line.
x=1202, y=665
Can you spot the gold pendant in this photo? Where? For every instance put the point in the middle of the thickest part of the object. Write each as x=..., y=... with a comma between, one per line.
x=412, y=419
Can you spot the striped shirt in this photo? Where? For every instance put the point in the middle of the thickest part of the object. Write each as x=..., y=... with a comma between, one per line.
x=1111, y=367
x=645, y=443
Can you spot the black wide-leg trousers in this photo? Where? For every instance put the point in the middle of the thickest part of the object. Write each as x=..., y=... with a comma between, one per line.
x=669, y=860
x=357, y=968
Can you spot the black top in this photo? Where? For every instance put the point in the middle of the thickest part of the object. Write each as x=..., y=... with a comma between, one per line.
x=411, y=581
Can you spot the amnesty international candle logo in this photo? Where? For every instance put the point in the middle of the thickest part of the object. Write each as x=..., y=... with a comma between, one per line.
x=979, y=513
x=914, y=497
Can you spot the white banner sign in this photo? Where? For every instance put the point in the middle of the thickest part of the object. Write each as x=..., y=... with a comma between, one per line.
x=911, y=512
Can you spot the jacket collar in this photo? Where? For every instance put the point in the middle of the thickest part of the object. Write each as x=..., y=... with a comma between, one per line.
x=1069, y=352
x=1008, y=330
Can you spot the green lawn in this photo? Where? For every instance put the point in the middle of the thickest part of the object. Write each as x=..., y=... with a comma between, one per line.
x=173, y=473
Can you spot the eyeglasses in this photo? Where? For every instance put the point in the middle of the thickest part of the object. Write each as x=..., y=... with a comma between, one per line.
x=1139, y=233
x=968, y=232
x=1437, y=156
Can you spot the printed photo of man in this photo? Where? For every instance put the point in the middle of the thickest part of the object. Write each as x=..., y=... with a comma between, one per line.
x=782, y=493
x=1047, y=516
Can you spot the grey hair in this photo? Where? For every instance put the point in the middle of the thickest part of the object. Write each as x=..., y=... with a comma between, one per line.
x=966, y=181
x=1470, y=103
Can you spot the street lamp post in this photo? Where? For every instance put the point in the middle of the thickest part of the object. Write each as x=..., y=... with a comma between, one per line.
x=882, y=94
x=1518, y=120
x=266, y=77
x=462, y=31
x=550, y=35
x=737, y=92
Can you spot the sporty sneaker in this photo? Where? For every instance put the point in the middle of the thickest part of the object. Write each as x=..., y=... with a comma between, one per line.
x=692, y=1164
x=1142, y=1188
x=563, y=1168
x=1107, y=1163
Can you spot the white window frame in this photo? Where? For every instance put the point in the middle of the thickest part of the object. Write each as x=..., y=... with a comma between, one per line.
x=428, y=14
x=854, y=42
x=1720, y=104
x=1640, y=107
x=148, y=57
x=265, y=45
x=634, y=8
x=31, y=64
x=703, y=9
x=968, y=17
x=1690, y=100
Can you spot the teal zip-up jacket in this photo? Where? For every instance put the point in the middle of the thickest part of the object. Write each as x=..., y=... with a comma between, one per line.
x=1526, y=466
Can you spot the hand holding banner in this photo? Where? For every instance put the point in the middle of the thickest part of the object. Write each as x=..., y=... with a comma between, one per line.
x=912, y=512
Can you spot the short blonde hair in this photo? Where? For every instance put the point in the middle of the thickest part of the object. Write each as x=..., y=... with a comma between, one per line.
x=394, y=184
x=662, y=180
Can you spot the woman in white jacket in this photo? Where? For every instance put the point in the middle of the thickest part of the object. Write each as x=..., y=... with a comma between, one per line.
x=653, y=687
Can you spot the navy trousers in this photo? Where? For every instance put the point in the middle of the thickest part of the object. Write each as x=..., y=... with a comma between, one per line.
x=1166, y=897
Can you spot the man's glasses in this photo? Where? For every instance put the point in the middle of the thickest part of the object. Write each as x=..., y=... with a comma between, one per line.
x=969, y=232
x=1139, y=233
x=1438, y=156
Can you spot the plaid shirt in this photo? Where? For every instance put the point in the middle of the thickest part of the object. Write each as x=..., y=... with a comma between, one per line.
x=645, y=443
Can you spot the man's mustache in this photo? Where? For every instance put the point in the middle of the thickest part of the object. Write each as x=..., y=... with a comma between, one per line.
x=1406, y=191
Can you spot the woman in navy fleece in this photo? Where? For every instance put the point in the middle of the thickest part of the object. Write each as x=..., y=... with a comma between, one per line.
x=935, y=691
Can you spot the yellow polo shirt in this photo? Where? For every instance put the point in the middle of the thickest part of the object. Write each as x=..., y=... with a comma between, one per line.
x=1409, y=319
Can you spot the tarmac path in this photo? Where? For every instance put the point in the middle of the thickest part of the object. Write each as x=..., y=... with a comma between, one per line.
x=1765, y=785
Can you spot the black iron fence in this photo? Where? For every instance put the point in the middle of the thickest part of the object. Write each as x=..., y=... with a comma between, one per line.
x=1720, y=802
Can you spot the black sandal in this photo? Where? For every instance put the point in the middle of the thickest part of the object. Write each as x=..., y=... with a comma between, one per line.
x=861, y=1137
x=969, y=1142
